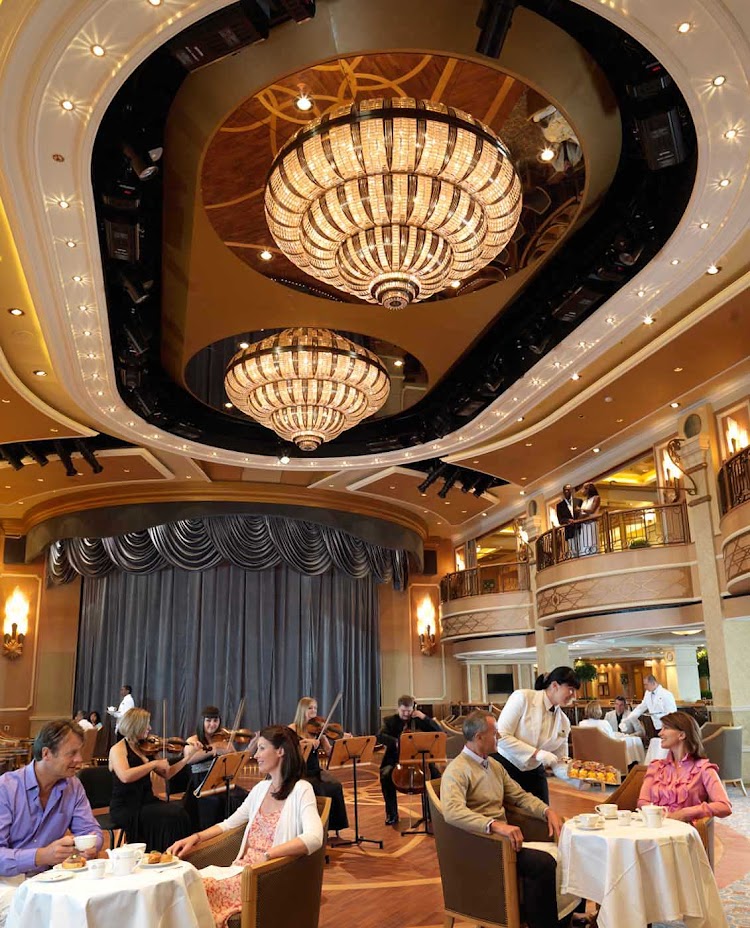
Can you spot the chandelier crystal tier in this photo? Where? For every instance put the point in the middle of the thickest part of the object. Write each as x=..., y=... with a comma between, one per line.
x=306, y=384
x=393, y=200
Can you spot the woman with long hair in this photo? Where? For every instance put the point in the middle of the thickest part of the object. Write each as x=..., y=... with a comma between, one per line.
x=322, y=782
x=686, y=783
x=588, y=534
x=280, y=814
x=533, y=730
x=133, y=806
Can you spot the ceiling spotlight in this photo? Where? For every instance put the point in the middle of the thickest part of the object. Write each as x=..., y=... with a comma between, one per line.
x=265, y=255
x=730, y=134
x=596, y=450
x=547, y=154
x=641, y=293
x=713, y=269
x=15, y=311
x=70, y=243
x=63, y=204
x=522, y=493
x=39, y=373
x=675, y=405
x=455, y=284
x=677, y=370
x=97, y=51
x=674, y=262
x=684, y=27
x=575, y=376
x=519, y=419
x=284, y=459
x=398, y=362
x=648, y=320
x=449, y=482
x=704, y=225
x=303, y=102
x=574, y=447
x=724, y=182
x=610, y=320
x=244, y=345
x=718, y=80
x=64, y=455
x=87, y=453
x=67, y=105
x=12, y=456
x=77, y=278
x=140, y=161
x=228, y=405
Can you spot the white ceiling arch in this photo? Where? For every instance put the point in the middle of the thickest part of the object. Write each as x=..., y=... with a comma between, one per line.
x=73, y=311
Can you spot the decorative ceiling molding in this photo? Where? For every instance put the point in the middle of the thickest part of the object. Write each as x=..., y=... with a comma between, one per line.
x=63, y=68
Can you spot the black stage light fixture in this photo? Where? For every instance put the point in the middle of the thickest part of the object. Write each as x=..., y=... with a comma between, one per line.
x=11, y=455
x=62, y=452
x=36, y=455
x=140, y=160
x=470, y=481
x=494, y=21
x=88, y=455
x=482, y=485
x=299, y=10
x=448, y=485
x=136, y=287
x=432, y=477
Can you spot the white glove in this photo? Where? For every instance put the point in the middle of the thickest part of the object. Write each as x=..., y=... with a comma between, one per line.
x=547, y=758
x=111, y=709
x=623, y=726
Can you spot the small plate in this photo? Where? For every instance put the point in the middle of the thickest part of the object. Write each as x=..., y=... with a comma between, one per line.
x=590, y=827
x=53, y=876
x=61, y=869
x=172, y=863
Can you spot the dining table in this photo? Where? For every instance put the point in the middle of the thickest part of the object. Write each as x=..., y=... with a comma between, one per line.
x=640, y=874
x=149, y=897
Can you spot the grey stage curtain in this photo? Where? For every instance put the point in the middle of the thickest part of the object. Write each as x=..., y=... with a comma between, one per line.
x=215, y=635
x=247, y=541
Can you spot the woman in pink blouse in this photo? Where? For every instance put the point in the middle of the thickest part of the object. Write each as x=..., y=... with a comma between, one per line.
x=687, y=784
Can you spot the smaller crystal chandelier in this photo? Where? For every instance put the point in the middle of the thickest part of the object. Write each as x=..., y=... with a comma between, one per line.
x=16, y=624
x=306, y=384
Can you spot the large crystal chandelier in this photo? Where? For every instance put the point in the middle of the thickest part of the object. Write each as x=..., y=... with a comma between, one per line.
x=393, y=200
x=307, y=384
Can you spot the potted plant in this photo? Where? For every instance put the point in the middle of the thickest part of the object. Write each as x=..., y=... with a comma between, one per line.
x=586, y=673
x=640, y=543
x=704, y=672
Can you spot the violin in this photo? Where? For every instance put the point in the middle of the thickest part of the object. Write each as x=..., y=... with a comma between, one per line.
x=223, y=737
x=333, y=731
x=153, y=745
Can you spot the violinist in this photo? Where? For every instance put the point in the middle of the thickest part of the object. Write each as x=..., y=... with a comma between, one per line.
x=307, y=725
x=408, y=718
x=133, y=806
x=209, y=741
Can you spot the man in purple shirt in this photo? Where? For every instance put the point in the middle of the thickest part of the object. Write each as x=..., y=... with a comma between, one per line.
x=40, y=803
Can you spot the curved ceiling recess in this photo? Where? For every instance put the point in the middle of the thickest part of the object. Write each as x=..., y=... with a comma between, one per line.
x=641, y=209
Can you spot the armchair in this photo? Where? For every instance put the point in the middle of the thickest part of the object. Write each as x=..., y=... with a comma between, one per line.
x=592, y=744
x=276, y=892
x=724, y=748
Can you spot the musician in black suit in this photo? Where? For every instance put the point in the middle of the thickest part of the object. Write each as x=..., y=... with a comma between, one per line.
x=568, y=510
x=408, y=718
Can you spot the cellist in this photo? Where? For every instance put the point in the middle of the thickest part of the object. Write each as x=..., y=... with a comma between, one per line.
x=408, y=718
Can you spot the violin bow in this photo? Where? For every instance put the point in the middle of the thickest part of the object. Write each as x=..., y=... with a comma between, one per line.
x=164, y=744
x=238, y=716
x=336, y=701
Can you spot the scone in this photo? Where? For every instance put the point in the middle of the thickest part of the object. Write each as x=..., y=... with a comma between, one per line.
x=166, y=858
x=74, y=862
x=154, y=857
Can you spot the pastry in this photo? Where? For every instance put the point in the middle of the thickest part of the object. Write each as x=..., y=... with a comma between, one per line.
x=74, y=862
x=154, y=857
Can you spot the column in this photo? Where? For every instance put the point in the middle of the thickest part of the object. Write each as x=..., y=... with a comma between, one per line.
x=681, y=670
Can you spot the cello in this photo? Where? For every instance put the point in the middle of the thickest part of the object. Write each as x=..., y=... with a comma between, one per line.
x=409, y=778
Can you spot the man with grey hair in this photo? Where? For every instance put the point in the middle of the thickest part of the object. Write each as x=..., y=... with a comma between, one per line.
x=657, y=702
x=473, y=791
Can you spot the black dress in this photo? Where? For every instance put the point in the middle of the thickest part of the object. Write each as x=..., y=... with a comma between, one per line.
x=134, y=808
x=209, y=810
x=324, y=784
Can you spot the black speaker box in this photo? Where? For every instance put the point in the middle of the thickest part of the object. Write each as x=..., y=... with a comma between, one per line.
x=14, y=550
x=430, y=562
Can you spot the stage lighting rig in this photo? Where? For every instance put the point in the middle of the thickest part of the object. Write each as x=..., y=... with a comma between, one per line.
x=35, y=454
x=12, y=456
x=62, y=452
x=88, y=455
x=435, y=472
x=449, y=482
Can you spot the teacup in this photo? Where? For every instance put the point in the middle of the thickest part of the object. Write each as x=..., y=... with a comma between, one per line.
x=624, y=817
x=589, y=820
x=653, y=816
x=124, y=859
x=607, y=809
x=97, y=868
x=85, y=842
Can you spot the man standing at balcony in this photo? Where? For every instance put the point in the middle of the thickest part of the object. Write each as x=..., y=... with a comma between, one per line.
x=568, y=510
x=657, y=702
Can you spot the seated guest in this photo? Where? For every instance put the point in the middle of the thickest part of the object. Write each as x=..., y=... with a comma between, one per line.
x=209, y=741
x=133, y=806
x=620, y=715
x=686, y=783
x=42, y=806
x=280, y=813
x=323, y=783
x=96, y=720
x=473, y=792
x=634, y=751
x=83, y=723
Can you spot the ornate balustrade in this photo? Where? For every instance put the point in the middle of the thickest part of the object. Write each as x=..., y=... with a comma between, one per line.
x=734, y=481
x=476, y=581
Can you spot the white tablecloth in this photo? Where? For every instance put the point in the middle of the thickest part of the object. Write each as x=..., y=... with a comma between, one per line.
x=656, y=751
x=642, y=875
x=634, y=750
x=173, y=897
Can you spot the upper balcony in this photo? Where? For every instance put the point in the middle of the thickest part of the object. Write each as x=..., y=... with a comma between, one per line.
x=734, y=495
x=486, y=600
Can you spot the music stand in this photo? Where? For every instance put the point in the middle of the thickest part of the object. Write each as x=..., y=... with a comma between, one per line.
x=221, y=773
x=417, y=747
x=350, y=752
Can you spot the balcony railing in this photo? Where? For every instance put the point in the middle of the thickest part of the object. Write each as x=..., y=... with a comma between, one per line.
x=497, y=578
x=615, y=530
x=734, y=481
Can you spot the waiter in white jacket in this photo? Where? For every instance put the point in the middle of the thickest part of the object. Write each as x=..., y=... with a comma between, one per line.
x=657, y=702
x=127, y=703
x=532, y=730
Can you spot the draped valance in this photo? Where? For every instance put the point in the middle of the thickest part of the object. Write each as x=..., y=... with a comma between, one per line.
x=247, y=541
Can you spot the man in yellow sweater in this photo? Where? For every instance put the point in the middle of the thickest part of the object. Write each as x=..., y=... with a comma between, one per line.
x=473, y=791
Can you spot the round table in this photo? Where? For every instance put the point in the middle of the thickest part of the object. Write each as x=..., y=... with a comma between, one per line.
x=641, y=875
x=172, y=897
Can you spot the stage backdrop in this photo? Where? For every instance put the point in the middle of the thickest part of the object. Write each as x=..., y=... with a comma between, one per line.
x=213, y=636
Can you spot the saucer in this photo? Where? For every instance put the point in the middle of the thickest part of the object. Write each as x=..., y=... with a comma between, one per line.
x=159, y=866
x=53, y=876
x=60, y=869
x=590, y=827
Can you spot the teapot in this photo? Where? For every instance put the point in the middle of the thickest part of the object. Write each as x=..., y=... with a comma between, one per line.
x=124, y=859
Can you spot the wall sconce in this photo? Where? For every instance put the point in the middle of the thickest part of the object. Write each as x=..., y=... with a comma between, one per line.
x=16, y=624
x=673, y=473
x=736, y=436
x=426, y=626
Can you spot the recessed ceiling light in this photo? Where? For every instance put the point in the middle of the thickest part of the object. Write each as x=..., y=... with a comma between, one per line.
x=265, y=255
x=447, y=502
x=39, y=373
x=547, y=154
x=70, y=243
x=463, y=511
x=475, y=462
x=91, y=355
x=675, y=405
x=724, y=182
x=228, y=405
x=674, y=262
x=67, y=105
x=131, y=423
x=684, y=27
x=528, y=444
x=126, y=470
x=704, y=225
x=730, y=134
x=97, y=51
x=15, y=311
x=244, y=345
x=455, y=284
x=188, y=477
x=581, y=344
x=77, y=278
x=677, y=370
x=86, y=332
x=575, y=376
x=619, y=420
x=54, y=430
x=648, y=320
x=596, y=450
x=155, y=2
x=484, y=513
x=713, y=269
x=284, y=459
x=520, y=419
x=718, y=80
x=391, y=487
x=5, y=401
x=398, y=363
x=63, y=204
x=522, y=493
x=303, y=102
x=574, y=447
x=641, y=293
x=100, y=392
x=610, y=320
x=557, y=364
x=524, y=478
x=83, y=307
